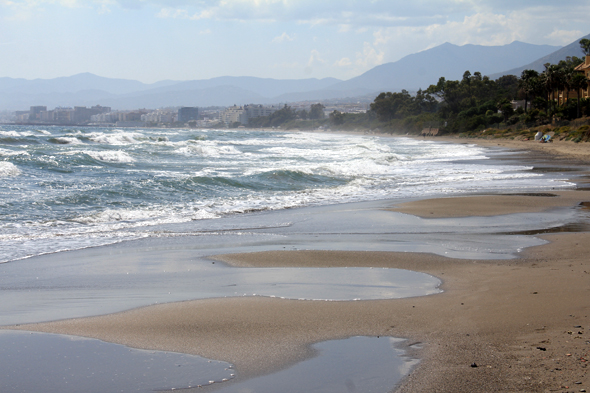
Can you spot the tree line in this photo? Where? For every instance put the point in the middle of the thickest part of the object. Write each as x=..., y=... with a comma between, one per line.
x=475, y=102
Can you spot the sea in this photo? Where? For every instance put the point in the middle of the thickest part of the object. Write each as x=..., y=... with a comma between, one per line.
x=70, y=188
x=100, y=220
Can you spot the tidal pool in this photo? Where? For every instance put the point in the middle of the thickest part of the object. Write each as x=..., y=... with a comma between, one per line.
x=42, y=362
x=34, y=362
x=64, y=286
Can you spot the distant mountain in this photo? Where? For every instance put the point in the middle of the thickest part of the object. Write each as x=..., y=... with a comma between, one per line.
x=210, y=96
x=76, y=83
x=412, y=72
x=88, y=89
x=266, y=87
x=572, y=49
x=423, y=69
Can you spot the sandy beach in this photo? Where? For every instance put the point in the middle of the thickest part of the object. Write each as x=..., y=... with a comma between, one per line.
x=561, y=150
x=518, y=325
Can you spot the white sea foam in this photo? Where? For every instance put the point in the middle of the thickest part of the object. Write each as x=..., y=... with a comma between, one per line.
x=120, y=138
x=179, y=176
x=114, y=156
x=68, y=140
x=10, y=133
x=8, y=169
x=11, y=153
x=208, y=149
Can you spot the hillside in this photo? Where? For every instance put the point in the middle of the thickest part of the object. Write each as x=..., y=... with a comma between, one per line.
x=572, y=49
x=422, y=69
x=412, y=72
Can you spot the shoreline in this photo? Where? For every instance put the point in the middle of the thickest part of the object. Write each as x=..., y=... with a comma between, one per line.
x=495, y=314
x=562, y=150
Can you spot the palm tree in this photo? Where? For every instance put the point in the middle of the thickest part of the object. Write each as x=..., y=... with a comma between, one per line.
x=578, y=82
x=528, y=82
x=554, y=82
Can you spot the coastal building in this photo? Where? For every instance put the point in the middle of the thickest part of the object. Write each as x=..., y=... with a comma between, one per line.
x=36, y=112
x=130, y=119
x=234, y=114
x=253, y=111
x=242, y=115
x=79, y=115
x=21, y=116
x=108, y=117
x=585, y=69
x=186, y=114
x=159, y=117
x=83, y=115
x=562, y=95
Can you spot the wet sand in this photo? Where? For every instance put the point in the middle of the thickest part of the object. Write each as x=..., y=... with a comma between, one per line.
x=500, y=326
x=489, y=205
x=564, y=150
x=518, y=325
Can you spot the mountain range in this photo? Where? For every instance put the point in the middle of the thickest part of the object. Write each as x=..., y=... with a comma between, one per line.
x=412, y=72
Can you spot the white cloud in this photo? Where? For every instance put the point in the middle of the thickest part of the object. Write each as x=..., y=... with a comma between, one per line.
x=334, y=37
x=370, y=56
x=565, y=36
x=344, y=62
x=537, y=25
x=282, y=38
x=315, y=58
x=173, y=13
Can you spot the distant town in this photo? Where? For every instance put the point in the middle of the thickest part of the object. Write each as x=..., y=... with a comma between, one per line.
x=193, y=117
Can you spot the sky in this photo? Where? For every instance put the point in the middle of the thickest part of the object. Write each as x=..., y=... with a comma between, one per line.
x=154, y=40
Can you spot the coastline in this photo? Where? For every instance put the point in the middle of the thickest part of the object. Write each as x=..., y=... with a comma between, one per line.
x=562, y=150
x=493, y=313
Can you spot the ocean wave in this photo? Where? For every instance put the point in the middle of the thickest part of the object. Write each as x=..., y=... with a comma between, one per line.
x=120, y=138
x=15, y=138
x=11, y=133
x=128, y=182
x=117, y=219
x=208, y=150
x=8, y=169
x=113, y=156
x=11, y=153
x=65, y=141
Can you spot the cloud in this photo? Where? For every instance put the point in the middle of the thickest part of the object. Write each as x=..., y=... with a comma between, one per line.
x=346, y=15
x=173, y=13
x=282, y=38
x=539, y=23
x=357, y=13
x=565, y=36
x=344, y=62
x=315, y=58
x=27, y=9
x=370, y=56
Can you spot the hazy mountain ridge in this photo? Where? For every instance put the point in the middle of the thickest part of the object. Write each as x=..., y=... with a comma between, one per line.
x=412, y=72
x=572, y=49
x=422, y=69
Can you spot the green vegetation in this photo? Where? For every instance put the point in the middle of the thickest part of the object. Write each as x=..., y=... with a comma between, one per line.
x=474, y=106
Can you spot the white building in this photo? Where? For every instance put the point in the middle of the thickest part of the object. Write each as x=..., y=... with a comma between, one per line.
x=259, y=110
x=159, y=117
x=110, y=117
x=244, y=114
x=234, y=114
